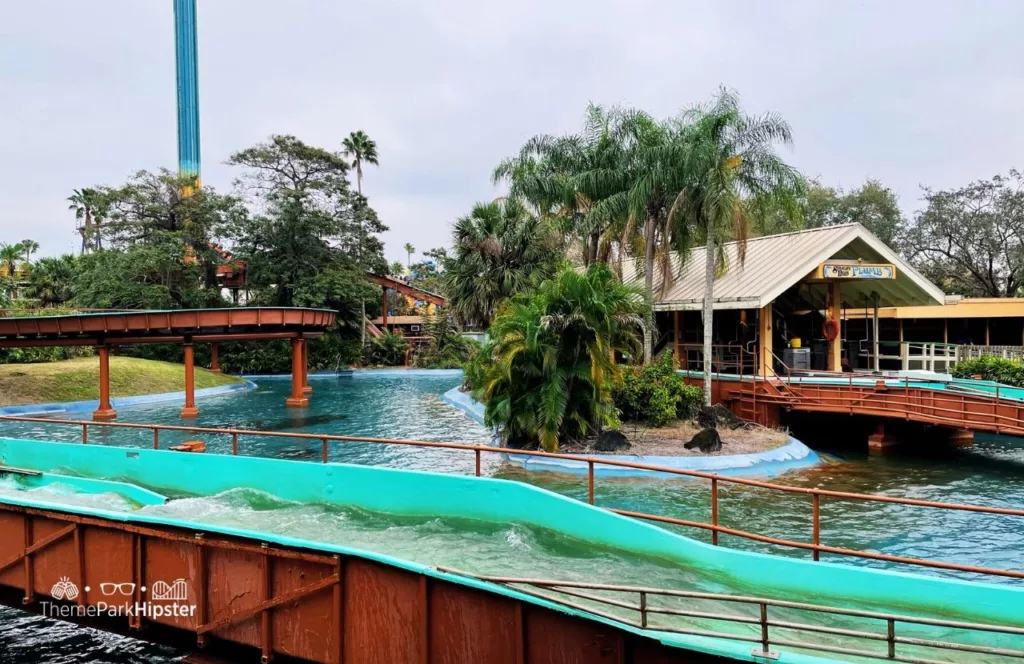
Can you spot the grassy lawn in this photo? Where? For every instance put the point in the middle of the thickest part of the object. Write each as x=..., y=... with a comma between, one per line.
x=78, y=380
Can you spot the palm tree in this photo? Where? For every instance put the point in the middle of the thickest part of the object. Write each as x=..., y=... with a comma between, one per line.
x=360, y=147
x=51, y=280
x=731, y=166
x=544, y=175
x=29, y=247
x=10, y=254
x=409, y=249
x=500, y=249
x=632, y=195
x=85, y=203
x=546, y=375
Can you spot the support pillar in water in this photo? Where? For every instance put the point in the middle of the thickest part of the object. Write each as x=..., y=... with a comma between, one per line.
x=104, y=411
x=297, y=399
x=882, y=441
x=214, y=358
x=190, y=411
x=306, y=389
x=961, y=438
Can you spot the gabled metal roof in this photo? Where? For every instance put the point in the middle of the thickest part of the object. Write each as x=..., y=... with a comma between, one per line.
x=775, y=263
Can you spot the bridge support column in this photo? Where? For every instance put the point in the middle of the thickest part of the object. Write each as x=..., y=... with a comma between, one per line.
x=764, y=340
x=214, y=358
x=306, y=389
x=961, y=438
x=190, y=411
x=297, y=399
x=104, y=412
x=882, y=441
x=834, y=359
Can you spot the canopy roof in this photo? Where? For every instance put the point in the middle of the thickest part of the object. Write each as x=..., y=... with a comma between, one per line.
x=776, y=263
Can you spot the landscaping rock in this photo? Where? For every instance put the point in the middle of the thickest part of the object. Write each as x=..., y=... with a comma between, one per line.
x=706, y=440
x=712, y=417
x=611, y=441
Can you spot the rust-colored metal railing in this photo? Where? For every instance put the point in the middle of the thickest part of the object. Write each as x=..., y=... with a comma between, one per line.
x=815, y=545
x=557, y=591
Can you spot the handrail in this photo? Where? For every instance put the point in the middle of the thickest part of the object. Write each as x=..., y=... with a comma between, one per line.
x=542, y=588
x=815, y=545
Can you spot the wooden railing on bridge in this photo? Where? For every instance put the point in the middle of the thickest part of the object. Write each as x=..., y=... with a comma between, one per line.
x=714, y=525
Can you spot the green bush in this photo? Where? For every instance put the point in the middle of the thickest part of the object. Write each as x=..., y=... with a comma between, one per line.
x=656, y=394
x=447, y=348
x=1001, y=370
x=387, y=350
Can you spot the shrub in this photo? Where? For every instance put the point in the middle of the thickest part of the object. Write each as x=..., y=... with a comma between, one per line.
x=387, y=349
x=656, y=394
x=547, y=373
x=1001, y=370
x=447, y=348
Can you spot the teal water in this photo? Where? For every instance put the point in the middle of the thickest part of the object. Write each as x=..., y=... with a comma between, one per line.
x=992, y=473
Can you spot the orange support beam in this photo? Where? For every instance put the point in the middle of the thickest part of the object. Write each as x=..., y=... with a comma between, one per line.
x=190, y=411
x=214, y=358
x=306, y=389
x=104, y=411
x=297, y=399
x=834, y=360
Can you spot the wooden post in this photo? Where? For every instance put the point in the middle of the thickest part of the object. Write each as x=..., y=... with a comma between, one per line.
x=306, y=389
x=104, y=412
x=190, y=411
x=764, y=339
x=214, y=358
x=297, y=399
x=874, y=333
x=988, y=340
x=945, y=330
x=677, y=325
x=384, y=310
x=834, y=358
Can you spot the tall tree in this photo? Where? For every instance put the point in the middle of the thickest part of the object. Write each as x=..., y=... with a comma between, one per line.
x=499, y=249
x=873, y=205
x=360, y=148
x=163, y=211
x=312, y=240
x=409, y=250
x=632, y=195
x=87, y=204
x=51, y=280
x=971, y=240
x=29, y=247
x=730, y=163
x=10, y=254
x=546, y=173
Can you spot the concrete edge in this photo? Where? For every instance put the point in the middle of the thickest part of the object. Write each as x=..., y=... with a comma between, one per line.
x=122, y=402
x=791, y=456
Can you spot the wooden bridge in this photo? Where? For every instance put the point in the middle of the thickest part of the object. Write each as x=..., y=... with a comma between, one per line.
x=960, y=408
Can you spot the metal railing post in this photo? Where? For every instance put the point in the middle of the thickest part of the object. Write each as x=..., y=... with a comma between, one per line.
x=85, y=433
x=156, y=438
x=714, y=510
x=590, y=481
x=323, y=449
x=890, y=637
x=478, y=464
x=816, y=524
x=234, y=443
x=643, y=609
x=765, y=648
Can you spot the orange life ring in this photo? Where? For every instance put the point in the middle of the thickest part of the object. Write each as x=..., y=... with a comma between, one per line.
x=830, y=329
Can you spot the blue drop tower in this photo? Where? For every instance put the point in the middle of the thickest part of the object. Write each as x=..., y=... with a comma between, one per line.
x=187, y=59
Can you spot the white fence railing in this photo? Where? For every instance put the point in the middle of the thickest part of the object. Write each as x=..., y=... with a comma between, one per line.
x=1009, y=352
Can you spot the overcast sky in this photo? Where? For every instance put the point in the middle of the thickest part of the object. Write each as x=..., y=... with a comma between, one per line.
x=911, y=93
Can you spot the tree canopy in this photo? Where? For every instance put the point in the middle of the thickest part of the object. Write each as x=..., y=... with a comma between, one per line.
x=971, y=240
